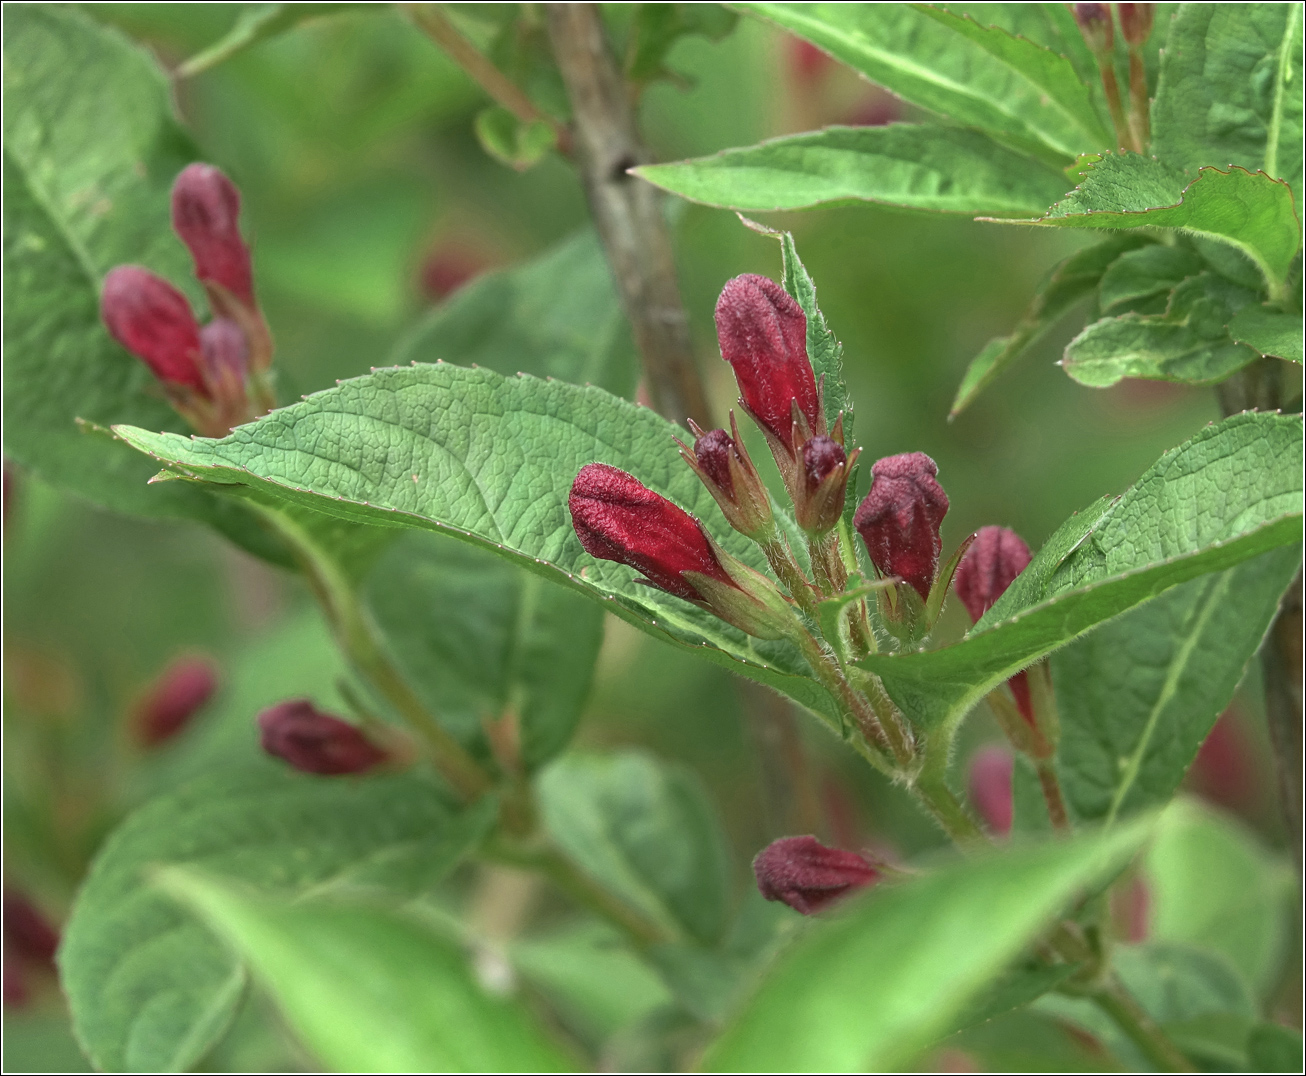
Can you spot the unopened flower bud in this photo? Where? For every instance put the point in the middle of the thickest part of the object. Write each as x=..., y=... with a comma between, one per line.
x=27, y=933
x=990, y=787
x=154, y=321
x=1135, y=22
x=723, y=463
x=16, y=994
x=175, y=697
x=315, y=742
x=1095, y=24
x=899, y=519
x=763, y=335
x=825, y=470
x=991, y=564
x=808, y=876
x=205, y=212
x=224, y=351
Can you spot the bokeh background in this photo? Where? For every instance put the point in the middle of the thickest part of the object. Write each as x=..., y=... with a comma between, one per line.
x=369, y=200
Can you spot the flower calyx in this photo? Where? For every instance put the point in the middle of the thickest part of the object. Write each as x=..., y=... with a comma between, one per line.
x=722, y=463
x=825, y=467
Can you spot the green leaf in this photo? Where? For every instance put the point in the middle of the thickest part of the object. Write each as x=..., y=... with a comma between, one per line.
x=823, y=348
x=1189, y=343
x=150, y=988
x=1250, y=211
x=1139, y=695
x=556, y=315
x=518, y=144
x=1270, y=332
x=1230, y=90
x=980, y=77
x=1229, y=493
x=1213, y=885
x=917, y=166
x=494, y=460
x=1273, y=1048
x=481, y=639
x=1176, y=982
x=366, y=988
x=1024, y=1041
x=258, y=22
x=655, y=28
x=1014, y=990
x=867, y=989
x=1149, y=271
x=646, y=831
x=1067, y=284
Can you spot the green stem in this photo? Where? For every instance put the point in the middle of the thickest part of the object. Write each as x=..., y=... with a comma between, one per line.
x=827, y=566
x=787, y=571
x=1051, y=785
x=932, y=790
x=855, y=707
x=1141, y=1029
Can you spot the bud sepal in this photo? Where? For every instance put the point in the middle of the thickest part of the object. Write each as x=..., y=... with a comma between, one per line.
x=723, y=465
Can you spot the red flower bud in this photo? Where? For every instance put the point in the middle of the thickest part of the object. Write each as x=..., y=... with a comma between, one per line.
x=990, y=787
x=1135, y=22
x=27, y=932
x=618, y=518
x=173, y=699
x=315, y=742
x=713, y=450
x=807, y=876
x=1095, y=24
x=205, y=212
x=224, y=351
x=723, y=463
x=825, y=470
x=763, y=335
x=153, y=320
x=899, y=519
x=990, y=565
x=16, y=994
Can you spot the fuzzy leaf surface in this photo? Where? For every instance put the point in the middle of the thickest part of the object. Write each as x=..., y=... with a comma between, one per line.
x=1231, y=492
x=1271, y=332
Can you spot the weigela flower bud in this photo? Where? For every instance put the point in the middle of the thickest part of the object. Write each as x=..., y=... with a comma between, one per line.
x=990, y=565
x=899, y=519
x=205, y=212
x=27, y=933
x=154, y=321
x=1095, y=24
x=825, y=470
x=181, y=692
x=990, y=787
x=808, y=876
x=723, y=463
x=1135, y=22
x=763, y=335
x=315, y=742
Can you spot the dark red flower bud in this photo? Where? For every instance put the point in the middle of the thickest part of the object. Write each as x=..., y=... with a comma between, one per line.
x=723, y=463
x=205, y=212
x=618, y=518
x=224, y=350
x=806, y=875
x=16, y=994
x=990, y=565
x=315, y=742
x=28, y=934
x=175, y=697
x=1135, y=22
x=448, y=267
x=900, y=517
x=1096, y=26
x=990, y=787
x=825, y=470
x=763, y=335
x=713, y=450
x=154, y=321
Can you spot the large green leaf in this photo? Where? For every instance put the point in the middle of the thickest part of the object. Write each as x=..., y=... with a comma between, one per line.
x=91, y=151
x=1271, y=332
x=1230, y=89
x=1229, y=493
x=868, y=989
x=554, y=316
x=1189, y=342
x=646, y=831
x=1139, y=695
x=480, y=639
x=490, y=460
x=150, y=988
x=368, y=989
x=1250, y=211
x=978, y=76
x=918, y=166
x=823, y=347
x=1144, y=274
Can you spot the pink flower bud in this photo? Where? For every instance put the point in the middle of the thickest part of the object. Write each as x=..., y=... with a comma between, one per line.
x=899, y=519
x=763, y=335
x=1135, y=22
x=27, y=933
x=1095, y=24
x=174, y=698
x=153, y=320
x=618, y=518
x=723, y=463
x=825, y=469
x=315, y=742
x=448, y=267
x=205, y=212
x=807, y=876
x=224, y=351
x=990, y=787
x=713, y=450
x=990, y=565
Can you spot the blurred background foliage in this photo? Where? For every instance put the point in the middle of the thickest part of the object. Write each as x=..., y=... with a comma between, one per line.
x=369, y=200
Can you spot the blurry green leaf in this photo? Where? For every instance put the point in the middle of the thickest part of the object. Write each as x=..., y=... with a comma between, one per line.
x=494, y=460
x=41, y=1042
x=1247, y=210
x=1139, y=695
x=1014, y=990
x=1023, y=1041
x=1051, y=25
x=1230, y=89
x=977, y=76
x=1270, y=332
x=91, y=151
x=368, y=989
x=655, y=28
x=1213, y=885
x=511, y=141
x=1150, y=270
x=481, y=639
x=256, y=23
x=1274, y=1048
x=917, y=166
x=1189, y=343
x=1069, y=282
x=150, y=988
x=1229, y=493
x=868, y=989
x=554, y=316
x=1216, y=1042
x=647, y=832
x=1176, y=982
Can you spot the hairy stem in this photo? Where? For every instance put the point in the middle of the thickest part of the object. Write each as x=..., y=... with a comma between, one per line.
x=1114, y=1000
x=1051, y=785
x=1124, y=138
x=782, y=562
x=827, y=564
x=932, y=790
x=626, y=210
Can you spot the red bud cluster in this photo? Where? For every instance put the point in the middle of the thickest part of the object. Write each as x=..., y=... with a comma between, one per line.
x=806, y=875
x=314, y=742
